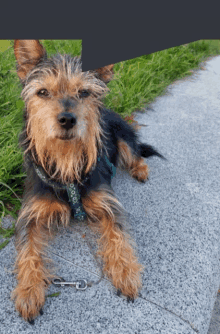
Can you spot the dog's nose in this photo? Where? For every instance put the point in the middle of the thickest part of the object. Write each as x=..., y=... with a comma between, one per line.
x=67, y=120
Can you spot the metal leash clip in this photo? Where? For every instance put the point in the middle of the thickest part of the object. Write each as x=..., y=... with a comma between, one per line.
x=79, y=285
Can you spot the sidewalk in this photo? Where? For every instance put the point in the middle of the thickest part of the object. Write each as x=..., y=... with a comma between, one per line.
x=174, y=219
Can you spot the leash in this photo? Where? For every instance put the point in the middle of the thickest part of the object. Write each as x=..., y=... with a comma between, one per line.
x=81, y=284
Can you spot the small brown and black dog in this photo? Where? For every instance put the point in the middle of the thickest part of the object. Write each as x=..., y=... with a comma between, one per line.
x=72, y=145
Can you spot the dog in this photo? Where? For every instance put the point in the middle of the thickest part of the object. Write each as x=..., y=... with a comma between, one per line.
x=72, y=145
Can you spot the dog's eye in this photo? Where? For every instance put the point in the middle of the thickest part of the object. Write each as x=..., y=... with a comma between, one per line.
x=83, y=93
x=43, y=92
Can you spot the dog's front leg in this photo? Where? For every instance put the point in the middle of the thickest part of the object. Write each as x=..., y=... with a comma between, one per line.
x=120, y=262
x=32, y=234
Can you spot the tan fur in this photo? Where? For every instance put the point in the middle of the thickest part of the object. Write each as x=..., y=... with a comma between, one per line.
x=42, y=128
x=32, y=275
x=27, y=53
x=68, y=156
x=120, y=262
x=46, y=209
x=64, y=158
x=106, y=73
x=136, y=166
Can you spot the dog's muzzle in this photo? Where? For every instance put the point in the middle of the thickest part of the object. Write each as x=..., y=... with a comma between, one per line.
x=66, y=120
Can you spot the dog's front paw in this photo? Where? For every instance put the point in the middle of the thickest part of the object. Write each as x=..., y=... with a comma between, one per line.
x=129, y=299
x=129, y=290
x=29, y=301
x=127, y=281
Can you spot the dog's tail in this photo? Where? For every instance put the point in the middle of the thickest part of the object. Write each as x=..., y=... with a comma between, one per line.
x=147, y=151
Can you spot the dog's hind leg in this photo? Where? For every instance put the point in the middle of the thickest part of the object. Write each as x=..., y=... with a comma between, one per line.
x=132, y=161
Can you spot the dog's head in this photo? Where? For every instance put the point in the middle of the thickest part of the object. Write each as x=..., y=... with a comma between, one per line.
x=62, y=102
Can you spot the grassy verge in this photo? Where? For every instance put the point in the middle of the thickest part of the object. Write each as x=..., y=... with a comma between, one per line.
x=137, y=82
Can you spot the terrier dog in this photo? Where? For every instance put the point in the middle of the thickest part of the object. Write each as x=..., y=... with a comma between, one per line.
x=72, y=145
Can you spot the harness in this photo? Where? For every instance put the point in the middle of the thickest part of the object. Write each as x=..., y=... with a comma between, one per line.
x=72, y=189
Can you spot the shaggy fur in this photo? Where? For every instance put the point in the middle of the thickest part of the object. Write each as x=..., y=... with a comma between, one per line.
x=56, y=91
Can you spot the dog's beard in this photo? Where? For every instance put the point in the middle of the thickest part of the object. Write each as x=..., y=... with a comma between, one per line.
x=71, y=151
x=65, y=160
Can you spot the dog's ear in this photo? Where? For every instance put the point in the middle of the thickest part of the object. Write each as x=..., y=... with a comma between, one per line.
x=28, y=54
x=105, y=73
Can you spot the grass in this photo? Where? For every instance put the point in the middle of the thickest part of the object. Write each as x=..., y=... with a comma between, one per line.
x=137, y=83
x=56, y=294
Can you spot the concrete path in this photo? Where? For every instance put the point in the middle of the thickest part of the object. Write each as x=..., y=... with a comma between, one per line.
x=174, y=219
x=214, y=326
